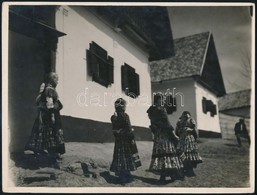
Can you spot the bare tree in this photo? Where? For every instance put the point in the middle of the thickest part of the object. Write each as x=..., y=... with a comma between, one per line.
x=245, y=71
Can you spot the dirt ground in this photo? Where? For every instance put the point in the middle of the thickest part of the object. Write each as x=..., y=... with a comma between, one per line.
x=224, y=165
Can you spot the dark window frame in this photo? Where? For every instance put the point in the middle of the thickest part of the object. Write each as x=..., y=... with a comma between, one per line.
x=100, y=65
x=130, y=81
x=209, y=106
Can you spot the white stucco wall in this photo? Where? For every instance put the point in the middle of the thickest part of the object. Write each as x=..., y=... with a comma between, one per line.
x=192, y=102
x=181, y=86
x=82, y=27
x=206, y=121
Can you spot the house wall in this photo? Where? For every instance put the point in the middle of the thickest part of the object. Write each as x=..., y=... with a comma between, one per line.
x=205, y=121
x=187, y=103
x=193, y=93
x=227, y=124
x=96, y=101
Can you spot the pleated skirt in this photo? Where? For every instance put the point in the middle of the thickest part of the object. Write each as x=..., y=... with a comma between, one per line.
x=188, y=149
x=164, y=156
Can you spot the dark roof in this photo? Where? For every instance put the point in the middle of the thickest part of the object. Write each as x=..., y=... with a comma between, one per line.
x=34, y=21
x=235, y=100
x=147, y=26
x=195, y=55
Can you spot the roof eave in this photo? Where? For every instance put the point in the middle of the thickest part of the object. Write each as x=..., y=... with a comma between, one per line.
x=206, y=85
x=235, y=108
x=173, y=79
x=205, y=53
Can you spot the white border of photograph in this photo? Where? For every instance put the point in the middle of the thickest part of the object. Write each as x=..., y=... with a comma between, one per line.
x=7, y=184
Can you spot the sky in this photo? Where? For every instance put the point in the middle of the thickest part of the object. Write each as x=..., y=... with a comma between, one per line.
x=231, y=29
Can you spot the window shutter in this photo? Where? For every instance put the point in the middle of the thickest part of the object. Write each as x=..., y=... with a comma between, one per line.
x=213, y=110
x=89, y=62
x=95, y=68
x=137, y=82
x=110, y=69
x=96, y=49
x=99, y=65
x=209, y=105
x=204, y=105
x=124, y=78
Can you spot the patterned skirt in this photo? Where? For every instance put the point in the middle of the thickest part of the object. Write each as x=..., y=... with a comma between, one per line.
x=188, y=149
x=44, y=136
x=164, y=156
x=125, y=157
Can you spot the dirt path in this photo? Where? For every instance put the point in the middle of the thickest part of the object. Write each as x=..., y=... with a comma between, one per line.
x=225, y=165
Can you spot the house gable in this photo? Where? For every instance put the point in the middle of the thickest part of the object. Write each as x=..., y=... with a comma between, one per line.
x=211, y=76
x=195, y=56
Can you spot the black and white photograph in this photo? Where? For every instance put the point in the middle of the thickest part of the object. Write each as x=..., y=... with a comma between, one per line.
x=128, y=97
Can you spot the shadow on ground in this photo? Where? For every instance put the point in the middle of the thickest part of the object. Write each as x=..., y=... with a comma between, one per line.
x=30, y=161
x=109, y=178
x=151, y=181
x=33, y=161
x=29, y=180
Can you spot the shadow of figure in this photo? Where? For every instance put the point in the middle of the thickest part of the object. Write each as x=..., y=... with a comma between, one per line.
x=30, y=161
x=29, y=180
x=151, y=181
x=109, y=178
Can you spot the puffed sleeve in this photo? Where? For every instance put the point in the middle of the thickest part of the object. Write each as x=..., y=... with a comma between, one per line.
x=193, y=126
x=192, y=123
x=51, y=100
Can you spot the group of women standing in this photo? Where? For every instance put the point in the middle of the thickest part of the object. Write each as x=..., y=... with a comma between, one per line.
x=174, y=154
x=175, y=151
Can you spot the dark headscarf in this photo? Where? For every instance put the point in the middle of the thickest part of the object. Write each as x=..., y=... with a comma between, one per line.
x=50, y=79
x=120, y=104
x=157, y=97
x=184, y=113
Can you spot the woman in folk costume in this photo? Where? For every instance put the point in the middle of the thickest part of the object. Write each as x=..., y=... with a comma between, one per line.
x=187, y=146
x=47, y=133
x=165, y=160
x=125, y=156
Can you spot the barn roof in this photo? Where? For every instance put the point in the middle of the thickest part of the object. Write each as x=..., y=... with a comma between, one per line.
x=195, y=56
x=235, y=100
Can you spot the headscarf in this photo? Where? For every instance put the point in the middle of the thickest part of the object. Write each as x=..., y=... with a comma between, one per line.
x=184, y=113
x=120, y=104
x=157, y=97
x=50, y=79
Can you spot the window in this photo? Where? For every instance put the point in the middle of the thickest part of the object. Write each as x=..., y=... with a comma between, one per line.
x=171, y=104
x=130, y=81
x=100, y=65
x=209, y=106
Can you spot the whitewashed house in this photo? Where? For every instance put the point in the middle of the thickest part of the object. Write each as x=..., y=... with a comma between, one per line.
x=105, y=55
x=99, y=52
x=193, y=81
x=232, y=107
